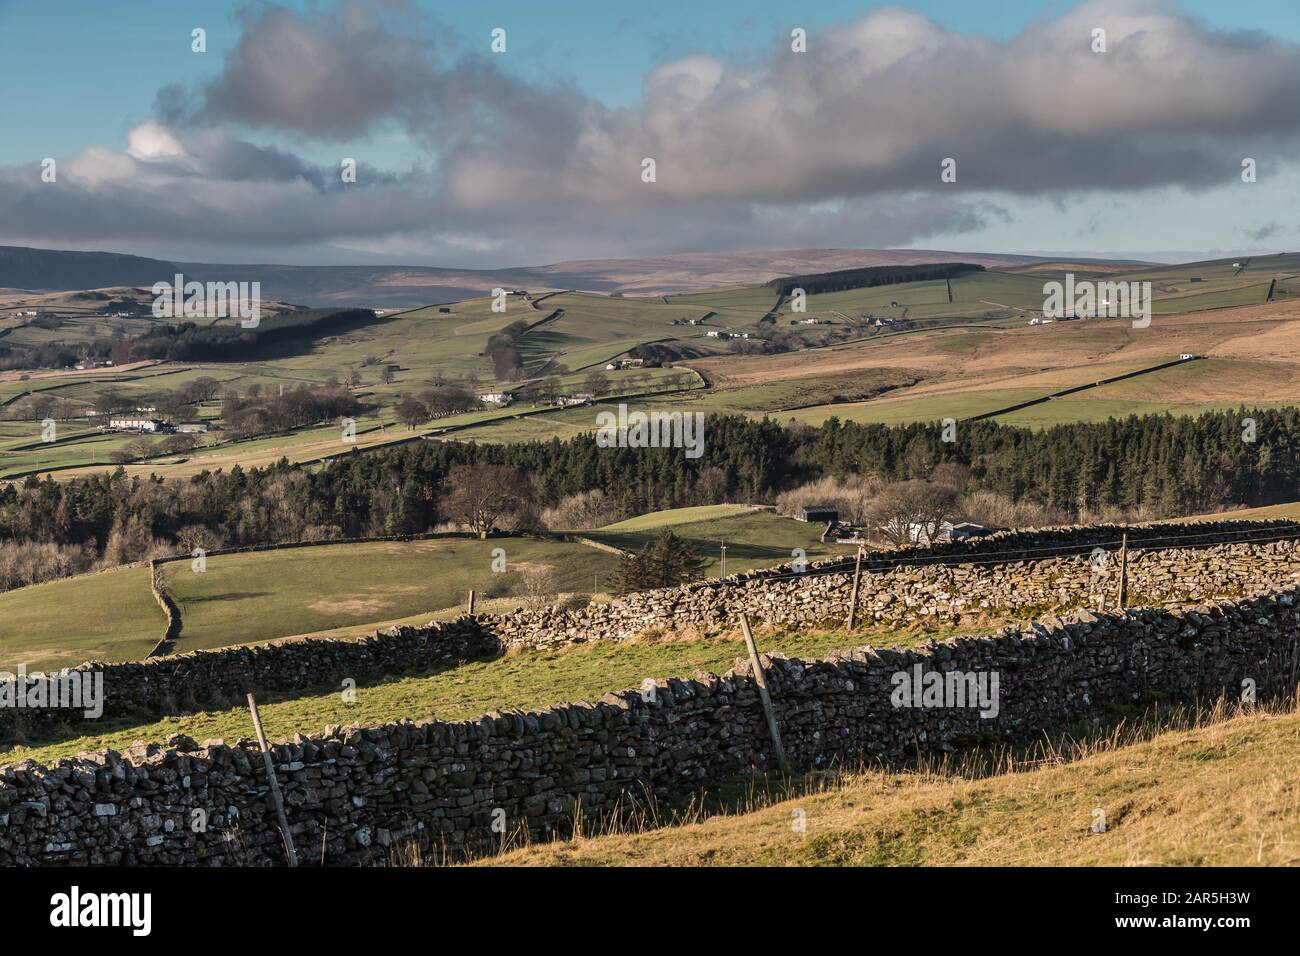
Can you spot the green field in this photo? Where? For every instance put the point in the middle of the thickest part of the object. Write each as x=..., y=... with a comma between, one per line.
x=929, y=408
x=259, y=596
x=351, y=589
x=110, y=616
x=676, y=516
x=242, y=598
x=754, y=539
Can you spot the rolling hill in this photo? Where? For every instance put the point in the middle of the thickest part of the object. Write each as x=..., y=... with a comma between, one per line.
x=902, y=352
x=405, y=286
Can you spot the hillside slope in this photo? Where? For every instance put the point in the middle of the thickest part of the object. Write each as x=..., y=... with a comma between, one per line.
x=1220, y=794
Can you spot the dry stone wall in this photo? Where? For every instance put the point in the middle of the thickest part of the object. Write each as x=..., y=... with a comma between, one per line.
x=958, y=590
x=360, y=795
x=200, y=680
x=947, y=594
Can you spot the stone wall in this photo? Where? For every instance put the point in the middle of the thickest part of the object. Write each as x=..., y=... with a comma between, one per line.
x=950, y=593
x=202, y=680
x=907, y=594
x=357, y=795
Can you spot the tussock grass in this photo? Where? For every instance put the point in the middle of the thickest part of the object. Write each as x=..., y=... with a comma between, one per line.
x=1187, y=787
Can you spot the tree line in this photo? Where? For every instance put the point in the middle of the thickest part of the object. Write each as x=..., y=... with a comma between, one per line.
x=1144, y=467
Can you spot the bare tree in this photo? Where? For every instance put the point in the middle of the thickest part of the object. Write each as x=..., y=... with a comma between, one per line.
x=536, y=587
x=913, y=512
x=482, y=495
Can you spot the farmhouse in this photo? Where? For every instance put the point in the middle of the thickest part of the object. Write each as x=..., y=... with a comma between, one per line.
x=192, y=428
x=948, y=531
x=495, y=398
x=619, y=364
x=136, y=423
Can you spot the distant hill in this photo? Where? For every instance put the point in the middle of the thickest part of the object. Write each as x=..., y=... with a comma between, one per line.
x=48, y=270
x=399, y=286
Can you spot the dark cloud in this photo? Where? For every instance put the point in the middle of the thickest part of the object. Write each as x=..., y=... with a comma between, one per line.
x=840, y=145
x=1267, y=231
x=329, y=73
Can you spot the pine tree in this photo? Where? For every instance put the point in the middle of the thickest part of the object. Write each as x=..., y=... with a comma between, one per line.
x=663, y=563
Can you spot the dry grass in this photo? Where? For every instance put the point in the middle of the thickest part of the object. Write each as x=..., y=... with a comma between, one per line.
x=1179, y=788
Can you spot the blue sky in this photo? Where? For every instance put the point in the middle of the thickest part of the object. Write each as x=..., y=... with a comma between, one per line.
x=83, y=74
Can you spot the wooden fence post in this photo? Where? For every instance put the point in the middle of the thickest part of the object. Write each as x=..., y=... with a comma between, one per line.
x=853, y=598
x=471, y=602
x=761, y=680
x=275, y=784
x=1123, y=572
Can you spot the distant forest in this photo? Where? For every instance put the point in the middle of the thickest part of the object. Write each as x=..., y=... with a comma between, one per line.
x=1153, y=466
x=186, y=341
x=869, y=276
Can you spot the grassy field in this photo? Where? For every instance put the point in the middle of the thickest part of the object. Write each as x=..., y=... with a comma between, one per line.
x=1219, y=794
x=755, y=539
x=347, y=590
x=263, y=595
x=110, y=616
x=929, y=408
x=527, y=679
x=259, y=596
x=675, y=516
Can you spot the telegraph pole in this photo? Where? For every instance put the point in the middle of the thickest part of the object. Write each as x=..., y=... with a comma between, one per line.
x=724, y=559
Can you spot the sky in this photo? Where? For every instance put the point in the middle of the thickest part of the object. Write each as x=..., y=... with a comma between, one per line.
x=471, y=156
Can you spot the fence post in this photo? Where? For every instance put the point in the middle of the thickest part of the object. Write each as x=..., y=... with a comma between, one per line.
x=1123, y=572
x=275, y=784
x=761, y=680
x=471, y=602
x=853, y=598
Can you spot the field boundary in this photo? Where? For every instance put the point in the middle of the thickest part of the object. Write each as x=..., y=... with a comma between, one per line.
x=1073, y=389
x=367, y=795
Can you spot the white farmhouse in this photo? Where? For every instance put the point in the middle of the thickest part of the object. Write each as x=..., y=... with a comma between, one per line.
x=135, y=423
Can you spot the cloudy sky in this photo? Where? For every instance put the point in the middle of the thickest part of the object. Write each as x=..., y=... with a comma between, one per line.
x=470, y=157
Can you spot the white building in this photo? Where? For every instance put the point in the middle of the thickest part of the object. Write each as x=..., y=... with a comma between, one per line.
x=578, y=398
x=134, y=423
x=495, y=398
